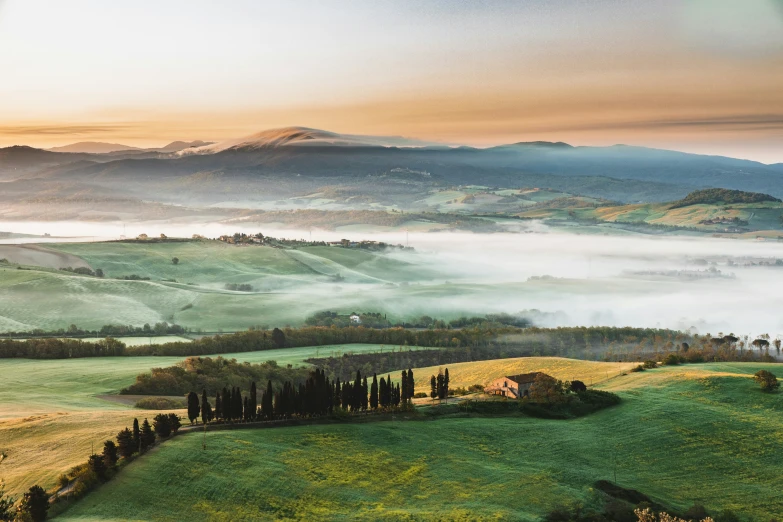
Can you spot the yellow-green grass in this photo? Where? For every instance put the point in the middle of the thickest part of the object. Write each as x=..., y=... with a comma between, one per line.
x=703, y=434
x=462, y=375
x=51, y=413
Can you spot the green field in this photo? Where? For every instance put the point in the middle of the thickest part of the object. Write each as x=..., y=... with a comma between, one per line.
x=192, y=293
x=51, y=411
x=699, y=433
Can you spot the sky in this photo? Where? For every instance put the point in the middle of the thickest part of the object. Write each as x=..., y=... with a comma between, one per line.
x=701, y=76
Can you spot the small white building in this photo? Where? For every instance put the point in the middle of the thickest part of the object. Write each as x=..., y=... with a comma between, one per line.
x=355, y=319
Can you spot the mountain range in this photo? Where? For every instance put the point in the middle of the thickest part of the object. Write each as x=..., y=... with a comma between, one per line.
x=363, y=171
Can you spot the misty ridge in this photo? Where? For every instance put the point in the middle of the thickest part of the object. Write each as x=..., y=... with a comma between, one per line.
x=297, y=167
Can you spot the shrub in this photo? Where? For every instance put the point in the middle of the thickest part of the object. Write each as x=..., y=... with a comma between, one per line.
x=474, y=388
x=420, y=395
x=671, y=360
x=578, y=386
x=159, y=403
x=162, y=425
x=649, y=365
x=766, y=380
x=638, y=368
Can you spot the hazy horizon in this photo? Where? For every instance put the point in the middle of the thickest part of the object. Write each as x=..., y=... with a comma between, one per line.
x=692, y=75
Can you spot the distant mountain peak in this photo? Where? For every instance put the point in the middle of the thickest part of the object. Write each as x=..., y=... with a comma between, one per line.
x=303, y=136
x=543, y=144
x=94, y=147
x=176, y=146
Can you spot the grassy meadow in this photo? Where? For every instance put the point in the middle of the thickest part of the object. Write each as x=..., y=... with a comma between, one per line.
x=52, y=411
x=696, y=433
x=193, y=292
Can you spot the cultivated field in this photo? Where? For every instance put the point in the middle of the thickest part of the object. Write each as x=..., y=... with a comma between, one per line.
x=462, y=375
x=697, y=433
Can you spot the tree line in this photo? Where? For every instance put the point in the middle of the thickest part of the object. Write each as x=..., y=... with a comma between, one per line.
x=316, y=396
x=575, y=342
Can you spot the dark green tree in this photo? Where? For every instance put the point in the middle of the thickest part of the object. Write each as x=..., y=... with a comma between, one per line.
x=404, y=383
x=253, y=402
x=446, y=383
x=218, y=406
x=365, y=393
x=110, y=457
x=146, y=435
x=278, y=337
x=174, y=422
x=267, y=402
x=374, y=392
x=35, y=504
x=125, y=444
x=162, y=425
x=206, y=409
x=433, y=388
x=136, y=436
x=356, y=395
x=225, y=403
x=194, y=408
x=411, y=385
x=97, y=466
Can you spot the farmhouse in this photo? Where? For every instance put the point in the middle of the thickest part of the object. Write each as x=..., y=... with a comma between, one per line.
x=512, y=385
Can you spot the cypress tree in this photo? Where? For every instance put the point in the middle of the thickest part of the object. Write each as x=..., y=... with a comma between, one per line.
x=365, y=391
x=337, y=399
x=136, y=436
x=411, y=385
x=147, y=436
x=240, y=410
x=206, y=409
x=404, y=384
x=193, y=407
x=440, y=385
x=433, y=388
x=226, y=404
x=125, y=444
x=218, y=406
x=110, y=454
x=267, y=404
x=253, y=401
x=34, y=505
x=356, y=399
x=446, y=384
x=247, y=409
x=374, y=392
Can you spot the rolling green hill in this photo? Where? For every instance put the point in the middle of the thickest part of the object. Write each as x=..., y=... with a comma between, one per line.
x=53, y=411
x=193, y=292
x=700, y=433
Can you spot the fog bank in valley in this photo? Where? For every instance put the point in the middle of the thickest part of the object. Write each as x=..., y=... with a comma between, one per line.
x=712, y=285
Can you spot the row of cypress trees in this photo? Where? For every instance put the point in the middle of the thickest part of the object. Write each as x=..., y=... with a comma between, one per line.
x=318, y=395
x=439, y=386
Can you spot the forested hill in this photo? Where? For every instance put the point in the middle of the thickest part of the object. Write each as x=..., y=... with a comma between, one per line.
x=719, y=195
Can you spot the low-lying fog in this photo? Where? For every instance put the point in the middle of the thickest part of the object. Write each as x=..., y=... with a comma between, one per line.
x=713, y=285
